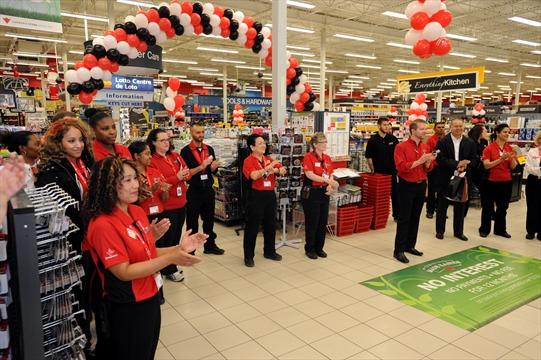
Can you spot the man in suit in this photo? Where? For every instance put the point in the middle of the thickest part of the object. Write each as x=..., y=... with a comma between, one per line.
x=457, y=153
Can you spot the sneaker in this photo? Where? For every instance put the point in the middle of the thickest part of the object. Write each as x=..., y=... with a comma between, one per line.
x=90, y=351
x=176, y=277
x=179, y=269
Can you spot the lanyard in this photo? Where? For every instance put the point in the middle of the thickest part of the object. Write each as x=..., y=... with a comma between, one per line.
x=81, y=172
x=260, y=162
x=141, y=235
x=199, y=155
x=167, y=160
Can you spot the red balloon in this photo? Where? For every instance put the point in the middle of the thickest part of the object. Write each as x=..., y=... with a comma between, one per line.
x=226, y=33
x=441, y=46
x=411, y=111
x=299, y=105
x=171, y=112
x=248, y=20
x=85, y=98
x=108, y=32
x=153, y=16
x=174, y=83
x=393, y=109
x=249, y=43
x=268, y=60
x=478, y=107
x=270, y=37
x=444, y=17
x=218, y=10
x=141, y=12
x=78, y=65
x=114, y=66
x=307, y=88
x=187, y=7
x=426, y=56
x=198, y=29
x=120, y=34
x=251, y=33
x=170, y=33
x=270, y=50
x=132, y=40
x=95, y=92
x=196, y=19
x=104, y=63
x=288, y=81
x=418, y=111
x=224, y=23
x=419, y=20
x=142, y=46
x=425, y=113
x=165, y=24
x=408, y=123
x=422, y=48
x=90, y=61
x=179, y=101
x=420, y=98
x=293, y=63
x=290, y=73
x=304, y=97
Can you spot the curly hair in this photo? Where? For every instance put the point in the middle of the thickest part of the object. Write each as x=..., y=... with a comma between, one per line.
x=52, y=146
x=101, y=196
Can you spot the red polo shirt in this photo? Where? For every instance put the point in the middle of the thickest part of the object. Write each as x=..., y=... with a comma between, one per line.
x=318, y=165
x=153, y=205
x=500, y=172
x=101, y=153
x=405, y=154
x=119, y=238
x=251, y=164
x=431, y=142
x=169, y=166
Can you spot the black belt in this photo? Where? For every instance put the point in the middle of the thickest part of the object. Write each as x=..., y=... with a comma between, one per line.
x=316, y=187
x=535, y=176
x=413, y=182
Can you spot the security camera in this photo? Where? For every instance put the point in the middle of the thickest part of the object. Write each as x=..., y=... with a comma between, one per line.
x=260, y=75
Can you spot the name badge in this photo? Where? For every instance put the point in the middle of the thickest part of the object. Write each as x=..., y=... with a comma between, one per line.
x=325, y=176
x=317, y=164
x=204, y=176
x=131, y=233
x=158, y=279
x=154, y=209
x=266, y=183
x=179, y=191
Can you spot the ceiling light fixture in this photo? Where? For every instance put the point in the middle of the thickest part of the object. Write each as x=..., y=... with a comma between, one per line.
x=180, y=61
x=298, y=47
x=525, y=21
x=266, y=78
x=507, y=74
x=351, y=37
x=217, y=50
x=359, y=77
x=362, y=56
x=310, y=66
x=300, y=4
x=249, y=67
x=533, y=77
x=177, y=76
x=84, y=16
x=406, y=61
x=538, y=52
x=460, y=37
x=497, y=60
x=27, y=63
x=76, y=52
x=368, y=66
x=531, y=65
x=36, y=55
x=29, y=37
x=135, y=3
x=400, y=45
x=337, y=71
x=208, y=73
x=201, y=69
x=291, y=28
x=228, y=61
x=395, y=14
x=450, y=67
x=409, y=71
x=317, y=61
x=487, y=71
x=462, y=55
x=524, y=42
x=301, y=54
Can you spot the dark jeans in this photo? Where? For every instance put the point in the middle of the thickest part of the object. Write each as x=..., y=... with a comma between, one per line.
x=431, y=198
x=412, y=199
x=395, y=196
x=533, y=203
x=260, y=207
x=200, y=201
x=316, y=213
x=172, y=236
x=499, y=192
x=458, y=215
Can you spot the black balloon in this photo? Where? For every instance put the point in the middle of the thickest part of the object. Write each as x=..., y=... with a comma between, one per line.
x=256, y=48
x=228, y=13
x=88, y=49
x=290, y=89
x=313, y=96
x=298, y=71
x=234, y=35
x=99, y=51
x=295, y=81
x=142, y=34
x=58, y=80
x=308, y=106
x=113, y=55
x=257, y=26
x=130, y=28
x=175, y=20
x=124, y=60
x=179, y=30
x=205, y=19
x=119, y=26
x=197, y=7
x=233, y=25
x=151, y=41
x=207, y=29
x=98, y=83
x=259, y=38
x=88, y=87
x=164, y=12
x=74, y=88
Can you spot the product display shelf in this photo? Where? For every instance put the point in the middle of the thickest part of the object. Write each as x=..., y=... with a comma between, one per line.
x=227, y=205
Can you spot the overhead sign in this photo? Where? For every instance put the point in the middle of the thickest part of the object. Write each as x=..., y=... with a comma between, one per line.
x=15, y=83
x=458, y=110
x=451, y=80
x=125, y=83
x=491, y=110
x=205, y=100
x=469, y=289
x=524, y=109
x=369, y=101
x=124, y=96
x=126, y=103
x=31, y=15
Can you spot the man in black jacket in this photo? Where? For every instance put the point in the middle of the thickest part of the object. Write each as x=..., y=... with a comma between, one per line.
x=457, y=153
x=202, y=162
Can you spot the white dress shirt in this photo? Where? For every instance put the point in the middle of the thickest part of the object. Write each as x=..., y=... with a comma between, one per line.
x=533, y=166
x=456, y=143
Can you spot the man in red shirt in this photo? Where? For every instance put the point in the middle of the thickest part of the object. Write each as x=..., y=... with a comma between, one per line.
x=413, y=161
x=439, y=132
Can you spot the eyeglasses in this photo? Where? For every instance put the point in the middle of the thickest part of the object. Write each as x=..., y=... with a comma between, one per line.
x=163, y=140
x=321, y=142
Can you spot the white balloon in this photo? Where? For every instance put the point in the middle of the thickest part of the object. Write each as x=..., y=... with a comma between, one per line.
x=123, y=47
x=443, y=6
x=170, y=93
x=266, y=32
x=215, y=20
x=412, y=117
x=288, y=64
x=107, y=75
x=185, y=19
x=141, y=21
x=175, y=9
x=188, y=29
x=83, y=74
x=423, y=106
x=288, y=55
x=263, y=53
x=216, y=31
x=300, y=88
x=317, y=107
x=243, y=28
x=475, y=112
x=71, y=76
x=443, y=33
x=265, y=44
x=96, y=73
x=414, y=106
x=242, y=39
x=134, y=53
x=161, y=37
x=412, y=36
x=294, y=97
x=130, y=18
x=303, y=79
x=169, y=104
x=109, y=42
x=431, y=7
x=482, y=112
x=432, y=31
x=98, y=41
x=163, y=4
x=153, y=28
x=412, y=8
x=239, y=16
x=208, y=8
x=421, y=117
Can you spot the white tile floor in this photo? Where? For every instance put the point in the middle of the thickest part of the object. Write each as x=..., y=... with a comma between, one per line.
x=315, y=309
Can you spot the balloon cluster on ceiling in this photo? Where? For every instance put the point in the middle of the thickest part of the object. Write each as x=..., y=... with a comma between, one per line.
x=478, y=114
x=156, y=25
x=417, y=109
x=428, y=19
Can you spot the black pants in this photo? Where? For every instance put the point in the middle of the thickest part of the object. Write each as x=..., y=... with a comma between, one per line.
x=201, y=202
x=134, y=331
x=395, y=196
x=431, y=198
x=260, y=207
x=172, y=236
x=458, y=216
x=477, y=178
x=316, y=213
x=412, y=199
x=533, y=203
x=499, y=192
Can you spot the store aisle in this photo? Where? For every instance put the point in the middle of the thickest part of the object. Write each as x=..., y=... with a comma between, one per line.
x=315, y=309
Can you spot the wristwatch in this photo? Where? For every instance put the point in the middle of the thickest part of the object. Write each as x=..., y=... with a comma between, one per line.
x=265, y=174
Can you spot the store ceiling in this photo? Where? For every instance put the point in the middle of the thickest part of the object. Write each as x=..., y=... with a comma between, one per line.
x=484, y=20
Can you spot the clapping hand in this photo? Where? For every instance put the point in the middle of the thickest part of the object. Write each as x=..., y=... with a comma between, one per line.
x=214, y=165
x=182, y=258
x=191, y=242
x=166, y=187
x=155, y=187
x=159, y=228
x=183, y=173
x=12, y=177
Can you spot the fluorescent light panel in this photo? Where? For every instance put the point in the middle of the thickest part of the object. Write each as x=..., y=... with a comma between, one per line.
x=359, y=77
x=291, y=28
x=217, y=50
x=317, y=61
x=460, y=37
x=351, y=37
x=249, y=67
x=525, y=21
x=368, y=66
x=27, y=63
x=362, y=56
x=337, y=71
x=84, y=16
x=29, y=37
x=228, y=61
x=507, y=74
x=400, y=45
x=409, y=71
x=406, y=61
x=298, y=47
x=135, y=3
x=201, y=69
x=300, y=4
x=525, y=42
x=538, y=52
x=36, y=55
x=531, y=65
x=180, y=61
x=301, y=54
x=76, y=52
x=395, y=14
x=462, y=55
x=533, y=77
x=496, y=60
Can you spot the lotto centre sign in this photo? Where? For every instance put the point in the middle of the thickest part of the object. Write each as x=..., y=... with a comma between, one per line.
x=469, y=289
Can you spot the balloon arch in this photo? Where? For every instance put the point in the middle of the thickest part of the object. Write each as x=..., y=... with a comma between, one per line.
x=156, y=25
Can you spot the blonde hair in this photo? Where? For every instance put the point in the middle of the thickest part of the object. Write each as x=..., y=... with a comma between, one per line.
x=537, y=139
x=317, y=138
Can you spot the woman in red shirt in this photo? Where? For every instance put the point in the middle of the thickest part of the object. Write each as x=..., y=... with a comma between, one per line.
x=499, y=159
x=261, y=172
x=104, y=130
x=174, y=170
x=128, y=262
x=315, y=195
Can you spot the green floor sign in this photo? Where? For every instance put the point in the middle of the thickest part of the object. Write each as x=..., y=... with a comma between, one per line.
x=469, y=289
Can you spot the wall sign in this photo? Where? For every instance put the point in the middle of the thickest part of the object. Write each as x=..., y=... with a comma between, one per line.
x=124, y=96
x=369, y=101
x=458, y=110
x=524, y=109
x=491, y=110
x=462, y=79
x=32, y=15
x=125, y=83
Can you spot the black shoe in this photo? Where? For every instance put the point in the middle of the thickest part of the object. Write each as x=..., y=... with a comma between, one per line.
x=505, y=235
x=483, y=235
x=461, y=237
x=529, y=236
x=430, y=215
x=311, y=255
x=439, y=236
x=321, y=253
x=401, y=257
x=249, y=263
x=275, y=257
x=215, y=251
x=414, y=251
x=395, y=220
